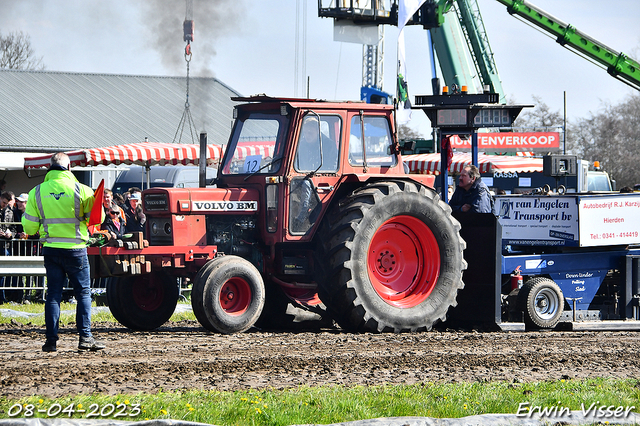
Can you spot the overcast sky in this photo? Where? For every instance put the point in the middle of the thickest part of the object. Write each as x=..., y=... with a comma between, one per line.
x=250, y=46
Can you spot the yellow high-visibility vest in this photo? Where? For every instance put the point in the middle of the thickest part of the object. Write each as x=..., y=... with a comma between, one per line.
x=59, y=208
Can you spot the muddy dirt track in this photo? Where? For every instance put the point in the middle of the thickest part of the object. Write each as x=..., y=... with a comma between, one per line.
x=185, y=356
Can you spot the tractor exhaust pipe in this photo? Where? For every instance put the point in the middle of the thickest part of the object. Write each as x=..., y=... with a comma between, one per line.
x=202, y=181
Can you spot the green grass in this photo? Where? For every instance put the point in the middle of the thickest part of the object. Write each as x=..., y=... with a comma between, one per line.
x=68, y=314
x=322, y=405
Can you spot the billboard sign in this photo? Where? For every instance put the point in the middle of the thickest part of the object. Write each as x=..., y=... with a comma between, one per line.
x=569, y=220
x=538, y=220
x=510, y=142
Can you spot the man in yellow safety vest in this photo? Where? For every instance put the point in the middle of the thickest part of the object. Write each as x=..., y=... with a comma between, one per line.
x=59, y=208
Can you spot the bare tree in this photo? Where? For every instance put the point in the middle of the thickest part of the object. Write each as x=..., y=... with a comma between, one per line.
x=539, y=118
x=610, y=136
x=16, y=52
x=406, y=132
x=542, y=119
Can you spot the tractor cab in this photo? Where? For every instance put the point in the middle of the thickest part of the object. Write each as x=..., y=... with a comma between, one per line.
x=298, y=152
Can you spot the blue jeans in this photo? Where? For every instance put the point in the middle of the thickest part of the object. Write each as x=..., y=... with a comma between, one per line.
x=76, y=268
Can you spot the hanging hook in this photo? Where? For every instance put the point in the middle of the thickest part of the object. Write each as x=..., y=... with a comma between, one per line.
x=187, y=52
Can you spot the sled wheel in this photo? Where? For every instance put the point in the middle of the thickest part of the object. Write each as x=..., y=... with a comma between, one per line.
x=392, y=259
x=542, y=302
x=233, y=295
x=143, y=302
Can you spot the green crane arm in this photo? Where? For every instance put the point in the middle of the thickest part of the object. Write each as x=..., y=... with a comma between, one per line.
x=478, y=41
x=450, y=46
x=617, y=64
x=458, y=37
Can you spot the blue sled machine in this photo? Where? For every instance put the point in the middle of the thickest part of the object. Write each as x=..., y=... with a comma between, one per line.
x=553, y=261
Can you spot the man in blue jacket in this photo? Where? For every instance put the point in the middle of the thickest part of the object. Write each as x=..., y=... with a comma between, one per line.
x=60, y=208
x=471, y=195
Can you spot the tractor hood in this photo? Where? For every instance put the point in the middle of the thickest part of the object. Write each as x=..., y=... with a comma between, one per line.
x=201, y=200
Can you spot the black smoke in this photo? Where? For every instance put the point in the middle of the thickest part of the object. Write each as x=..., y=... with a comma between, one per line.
x=214, y=20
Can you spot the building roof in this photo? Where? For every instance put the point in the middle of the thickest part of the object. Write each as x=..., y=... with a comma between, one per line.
x=42, y=111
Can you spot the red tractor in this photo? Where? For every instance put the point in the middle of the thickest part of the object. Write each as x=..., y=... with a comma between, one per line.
x=312, y=206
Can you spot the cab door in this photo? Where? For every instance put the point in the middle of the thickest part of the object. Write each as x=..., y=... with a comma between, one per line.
x=315, y=170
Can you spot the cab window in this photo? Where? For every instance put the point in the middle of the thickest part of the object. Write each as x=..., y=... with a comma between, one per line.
x=256, y=144
x=377, y=140
x=318, y=144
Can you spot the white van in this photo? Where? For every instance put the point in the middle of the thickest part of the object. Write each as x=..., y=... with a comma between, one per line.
x=165, y=176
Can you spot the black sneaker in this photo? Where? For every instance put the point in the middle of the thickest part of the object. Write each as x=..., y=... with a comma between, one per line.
x=90, y=344
x=49, y=346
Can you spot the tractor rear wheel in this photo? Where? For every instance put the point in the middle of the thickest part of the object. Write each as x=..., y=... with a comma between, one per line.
x=394, y=260
x=542, y=302
x=143, y=302
x=233, y=295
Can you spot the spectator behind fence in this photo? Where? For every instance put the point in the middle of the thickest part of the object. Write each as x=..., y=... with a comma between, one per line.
x=7, y=231
x=18, y=211
x=6, y=234
x=119, y=199
x=135, y=217
x=113, y=222
x=25, y=245
x=107, y=198
x=20, y=247
x=110, y=198
x=60, y=208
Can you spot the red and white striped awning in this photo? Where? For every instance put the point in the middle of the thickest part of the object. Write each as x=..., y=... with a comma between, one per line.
x=143, y=154
x=245, y=149
x=430, y=163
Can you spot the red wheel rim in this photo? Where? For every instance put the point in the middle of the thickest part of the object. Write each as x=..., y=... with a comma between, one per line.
x=148, y=292
x=403, y=261
x=235, y=296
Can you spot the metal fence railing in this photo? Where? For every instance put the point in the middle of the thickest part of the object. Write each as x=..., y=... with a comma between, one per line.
x=22, y=272
x=23, y=276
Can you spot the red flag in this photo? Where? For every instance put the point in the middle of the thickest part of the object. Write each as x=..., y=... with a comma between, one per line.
x=96, y=211
x=446, y=144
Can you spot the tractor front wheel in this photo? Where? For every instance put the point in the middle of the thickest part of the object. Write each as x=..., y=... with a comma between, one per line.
x=233, y=294
x=197, y=295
